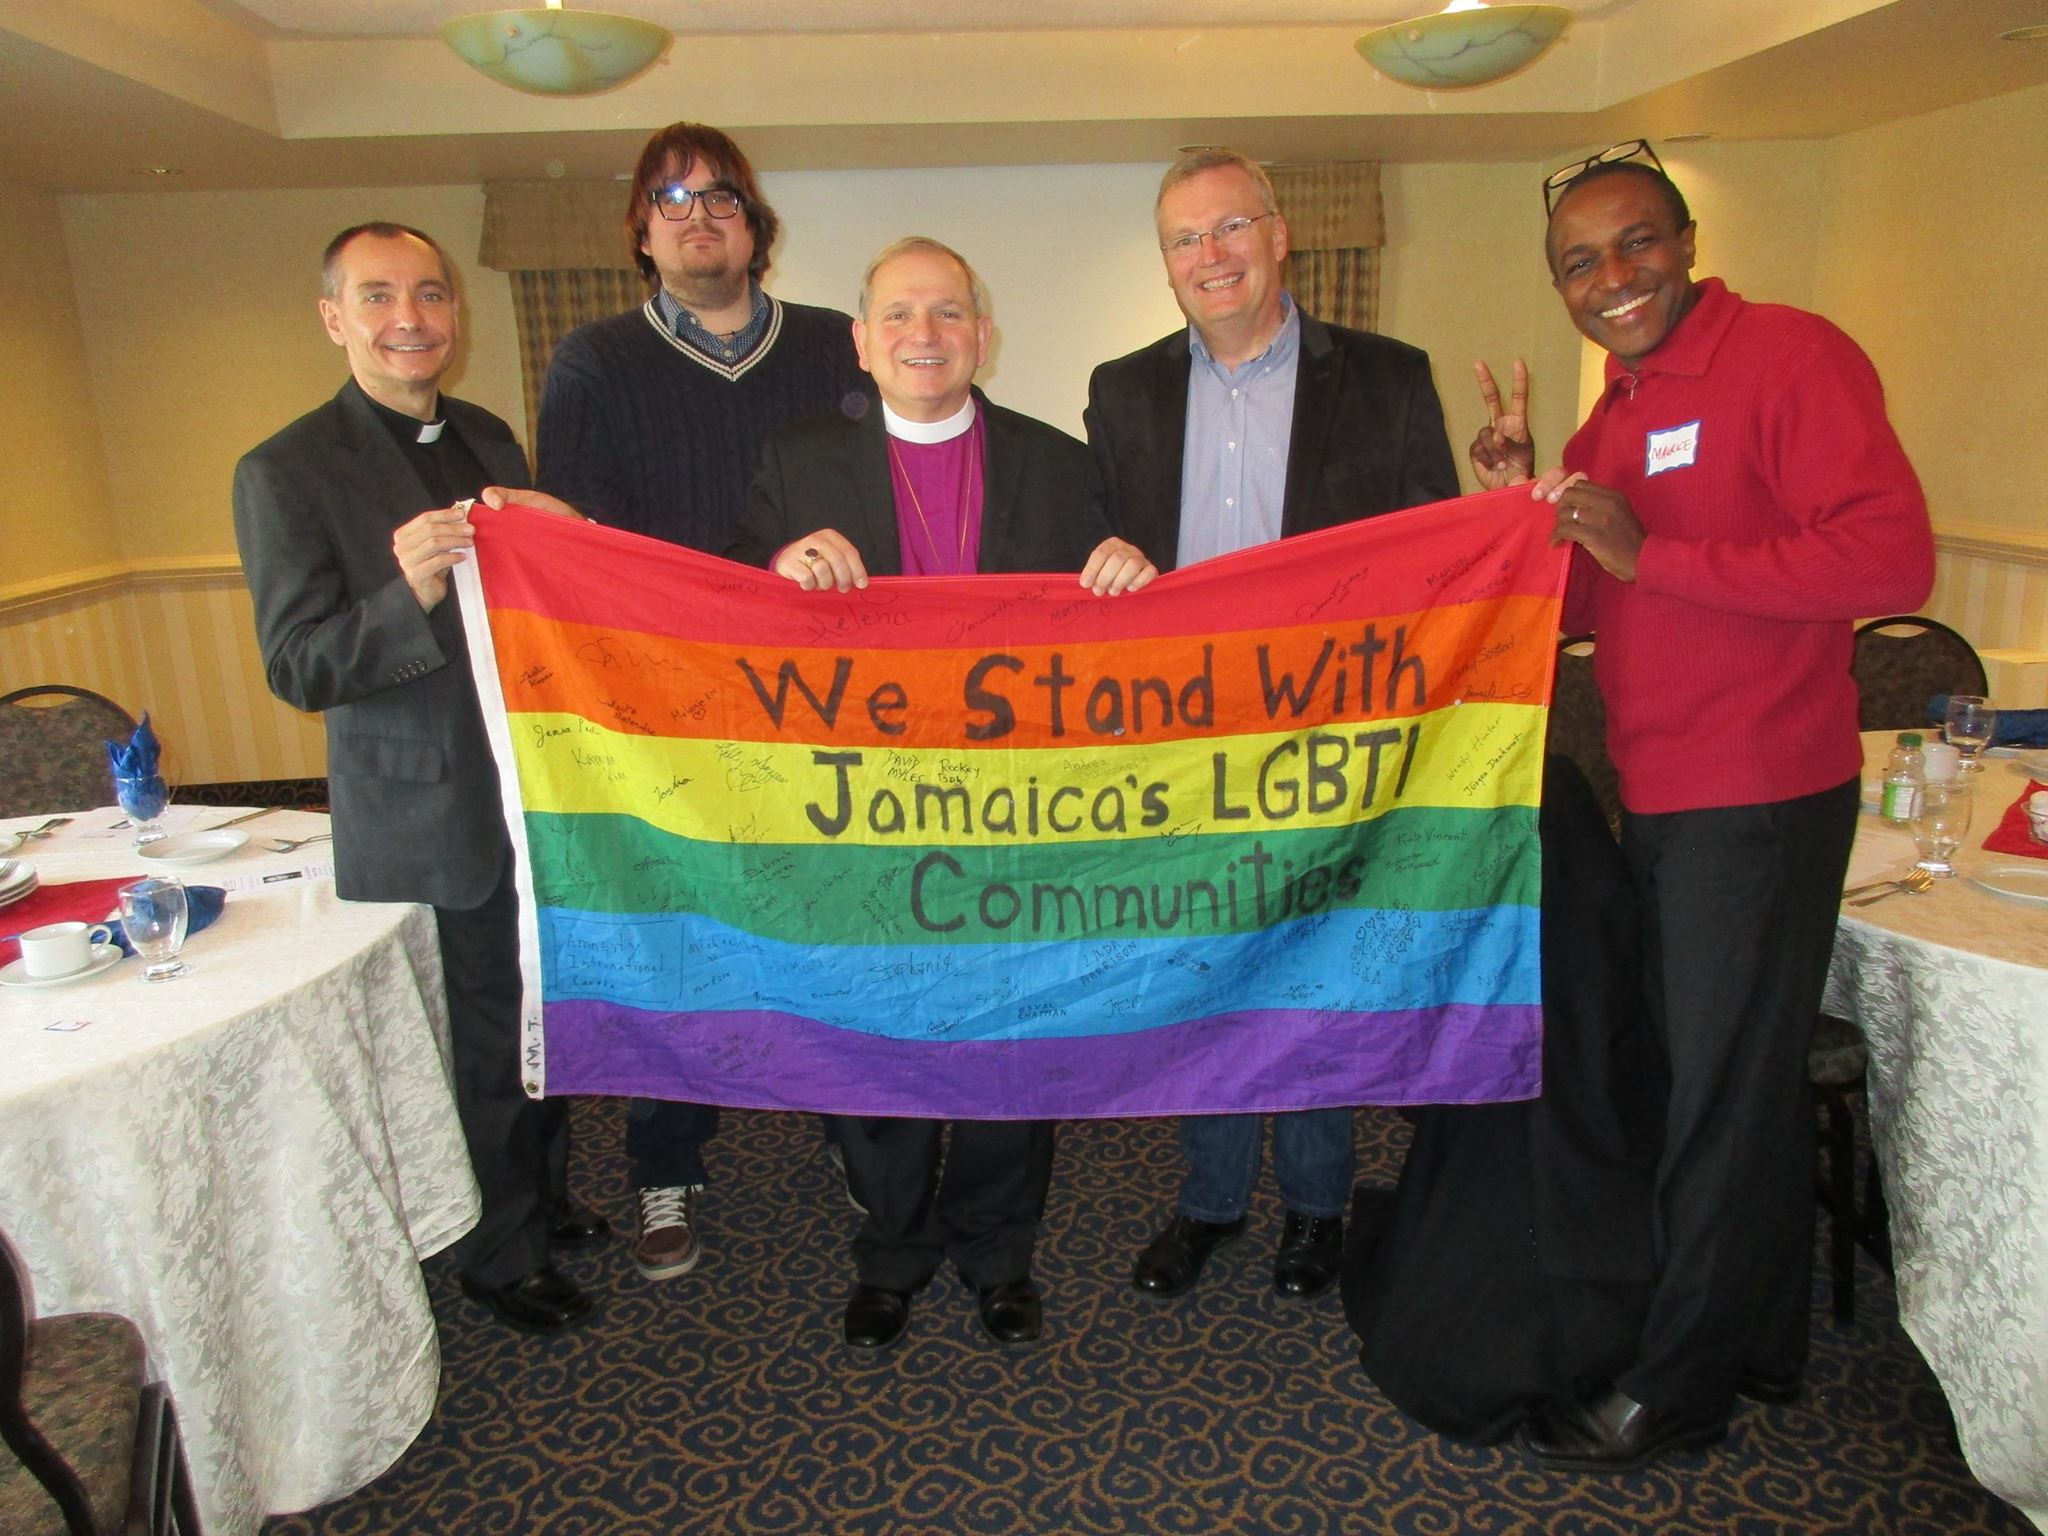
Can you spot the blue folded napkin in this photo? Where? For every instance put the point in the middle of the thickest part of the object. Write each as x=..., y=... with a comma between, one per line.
x=2013, y=728
x=137, y=757
x=203, y=906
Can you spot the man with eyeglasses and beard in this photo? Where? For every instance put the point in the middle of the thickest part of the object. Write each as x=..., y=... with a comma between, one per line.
x=1257, y=422
x=1738, y=499
x=653, y=421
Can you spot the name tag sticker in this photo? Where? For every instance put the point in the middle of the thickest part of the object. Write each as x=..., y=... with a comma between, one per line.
x=1672, y=448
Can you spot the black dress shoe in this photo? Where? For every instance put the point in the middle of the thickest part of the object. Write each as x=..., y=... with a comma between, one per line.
x=546, y=1301
x=1611, y=1433
x=1172, y=1260
x=875, y=1318
x=1764, y=1387
x=1010, y=1313
x=1310, y=1254
x=574, y=1227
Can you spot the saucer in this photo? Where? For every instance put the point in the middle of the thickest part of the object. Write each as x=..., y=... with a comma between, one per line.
x=2015, y=882
x=192, y=847
x=15, y=973
x=16, y=889
x=9, y=841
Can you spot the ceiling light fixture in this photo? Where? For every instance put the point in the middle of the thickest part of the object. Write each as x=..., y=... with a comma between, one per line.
x=1467, y=43
x=554, y=52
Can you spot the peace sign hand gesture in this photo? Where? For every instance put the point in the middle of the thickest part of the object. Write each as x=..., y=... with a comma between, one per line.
x=1504, y=453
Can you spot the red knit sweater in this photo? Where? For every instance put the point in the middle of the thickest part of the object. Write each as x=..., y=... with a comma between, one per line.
x=1777, y=507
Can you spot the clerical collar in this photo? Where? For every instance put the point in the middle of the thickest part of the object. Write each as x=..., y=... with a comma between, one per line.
x=404, y=427
x=929, y=431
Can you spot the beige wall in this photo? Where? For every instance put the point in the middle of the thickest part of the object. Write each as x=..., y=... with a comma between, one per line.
x=56, y=513
x=1932, y=256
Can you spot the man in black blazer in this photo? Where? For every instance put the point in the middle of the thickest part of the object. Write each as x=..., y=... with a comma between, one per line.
x=1257, y=422
x=348, y=522
x=937, y=481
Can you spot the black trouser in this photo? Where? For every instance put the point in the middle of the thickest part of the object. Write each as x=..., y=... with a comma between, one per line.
x=982, y=1212
x=665, y=1141
x=1738, y=907
x=519, y=1147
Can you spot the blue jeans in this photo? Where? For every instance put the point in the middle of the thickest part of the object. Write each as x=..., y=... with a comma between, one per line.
x=1312, y=1161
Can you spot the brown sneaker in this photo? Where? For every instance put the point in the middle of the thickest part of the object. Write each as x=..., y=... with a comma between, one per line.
x=665, y=1239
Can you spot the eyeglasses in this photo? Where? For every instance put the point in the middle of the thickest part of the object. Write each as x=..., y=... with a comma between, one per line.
x=1229, y=232
x=673, y=202
x=1555, y=184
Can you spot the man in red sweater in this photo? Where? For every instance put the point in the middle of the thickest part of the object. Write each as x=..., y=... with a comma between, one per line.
x=1738, y=498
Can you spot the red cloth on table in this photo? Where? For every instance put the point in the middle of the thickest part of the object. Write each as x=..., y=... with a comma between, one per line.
x=2011, y=834
x=84, y=901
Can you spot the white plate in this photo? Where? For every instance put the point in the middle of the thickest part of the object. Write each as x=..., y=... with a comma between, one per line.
x=15, y=974
x=15, y=893
x=192, y=847
x=9, y=841
x=2019, y=882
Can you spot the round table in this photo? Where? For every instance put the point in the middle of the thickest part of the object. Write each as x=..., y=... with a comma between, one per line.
x=1950, y=990
x=249, y=1161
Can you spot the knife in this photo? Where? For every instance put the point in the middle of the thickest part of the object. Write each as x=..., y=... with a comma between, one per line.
x=245, y=816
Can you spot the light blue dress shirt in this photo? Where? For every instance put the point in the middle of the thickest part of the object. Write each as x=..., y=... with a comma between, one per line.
x=1233, y=472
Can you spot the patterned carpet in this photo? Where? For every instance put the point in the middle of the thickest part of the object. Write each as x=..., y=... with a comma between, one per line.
x=723, y=1402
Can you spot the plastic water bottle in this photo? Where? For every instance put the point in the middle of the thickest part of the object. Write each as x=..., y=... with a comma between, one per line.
x=1905, y=775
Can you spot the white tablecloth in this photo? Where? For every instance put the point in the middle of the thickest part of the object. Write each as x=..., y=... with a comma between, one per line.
x=1951, y=992
x=249, y=1162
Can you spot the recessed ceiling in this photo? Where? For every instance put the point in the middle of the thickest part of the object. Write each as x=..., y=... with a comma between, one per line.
x=423, y=18
x=322, y=93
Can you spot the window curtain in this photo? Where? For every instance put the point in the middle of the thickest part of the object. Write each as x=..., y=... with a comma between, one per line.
x=563, y=247
x=1335, y=230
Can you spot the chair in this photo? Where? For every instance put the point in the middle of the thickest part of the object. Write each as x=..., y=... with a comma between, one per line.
x=95, y=1447
x=1900, y=663
x=1578, y=724
x=52, y=752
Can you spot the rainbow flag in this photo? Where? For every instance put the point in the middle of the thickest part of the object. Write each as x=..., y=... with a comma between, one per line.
x=1260, y=837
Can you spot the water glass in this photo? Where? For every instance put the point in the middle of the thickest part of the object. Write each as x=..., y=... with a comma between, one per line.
x=1969, y=724
x=154, y=914
x=142, y=798
x=1939, y=825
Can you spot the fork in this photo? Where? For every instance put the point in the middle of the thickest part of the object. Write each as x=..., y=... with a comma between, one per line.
x=1916, y=881
x=287, y=844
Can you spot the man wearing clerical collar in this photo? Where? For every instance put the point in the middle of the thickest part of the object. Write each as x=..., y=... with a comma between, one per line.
x=938, y=482
x=652, y=421
x=349, y=521
x=1256, y=422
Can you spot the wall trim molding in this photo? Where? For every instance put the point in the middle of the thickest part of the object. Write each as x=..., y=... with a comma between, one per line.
x=1981, y=541
x=1993, y=541
x=112, y=580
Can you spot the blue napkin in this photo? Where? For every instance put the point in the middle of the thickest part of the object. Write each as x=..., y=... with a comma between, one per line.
x=203, y=906
x=2014, y=727
x=137, y=758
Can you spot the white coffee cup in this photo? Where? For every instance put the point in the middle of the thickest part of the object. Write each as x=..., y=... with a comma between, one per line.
x=1944, y=762
x=58, y=949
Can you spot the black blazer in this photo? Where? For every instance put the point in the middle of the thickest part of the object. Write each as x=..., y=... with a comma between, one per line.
x=416, y=808
x=1041, y=509
x=1368, y=435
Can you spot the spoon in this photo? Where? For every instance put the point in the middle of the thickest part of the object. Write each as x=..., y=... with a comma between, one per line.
x=287, y=844
x=47, y=827
x=1916, y=881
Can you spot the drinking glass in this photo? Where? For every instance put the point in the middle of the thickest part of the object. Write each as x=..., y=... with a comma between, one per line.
x=154, y=914
x=1969, y=723
x=143, y=798
x=1939, y=825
